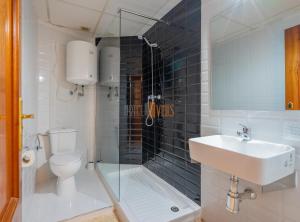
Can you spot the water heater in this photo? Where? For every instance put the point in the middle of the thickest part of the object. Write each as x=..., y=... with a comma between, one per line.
x=81, y=63
x=110, y=66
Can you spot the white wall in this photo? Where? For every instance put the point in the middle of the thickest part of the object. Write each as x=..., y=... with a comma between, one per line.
x=281, y=126
x=29, y=87
x=56, y=106
x=46, y=94
x=107, y=119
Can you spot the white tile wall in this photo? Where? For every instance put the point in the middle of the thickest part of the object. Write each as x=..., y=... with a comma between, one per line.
x=46, y=93
x=56, y=106
x=282, y=127
x=107, y=126
x=29, y=88
x=107, y=122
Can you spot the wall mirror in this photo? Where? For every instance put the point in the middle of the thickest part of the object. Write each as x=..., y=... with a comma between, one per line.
x=255, y=56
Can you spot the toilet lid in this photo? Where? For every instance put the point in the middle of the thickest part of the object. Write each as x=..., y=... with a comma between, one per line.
x=63, y=159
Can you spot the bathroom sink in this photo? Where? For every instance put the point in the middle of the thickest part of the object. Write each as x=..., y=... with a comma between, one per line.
x=257, y=161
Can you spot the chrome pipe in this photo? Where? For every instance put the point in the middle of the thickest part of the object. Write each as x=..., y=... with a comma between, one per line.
x=142, y=15
x=233, y=197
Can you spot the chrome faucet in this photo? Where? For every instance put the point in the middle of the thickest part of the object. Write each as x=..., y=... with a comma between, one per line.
x=244, y=134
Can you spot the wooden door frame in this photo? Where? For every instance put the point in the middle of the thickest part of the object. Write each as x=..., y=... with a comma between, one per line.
x=292, y=66
x=11, y=181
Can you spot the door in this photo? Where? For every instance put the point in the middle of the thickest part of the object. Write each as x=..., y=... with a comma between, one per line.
x=292, y=68
x=9, y=110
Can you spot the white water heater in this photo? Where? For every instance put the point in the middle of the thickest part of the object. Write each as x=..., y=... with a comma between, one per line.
x=81, y=63
x=110, y=66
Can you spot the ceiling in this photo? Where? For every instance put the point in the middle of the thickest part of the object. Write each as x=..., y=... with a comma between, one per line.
x=247, y=15
x=101, y=17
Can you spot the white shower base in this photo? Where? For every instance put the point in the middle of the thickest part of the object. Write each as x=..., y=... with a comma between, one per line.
x=144, y=197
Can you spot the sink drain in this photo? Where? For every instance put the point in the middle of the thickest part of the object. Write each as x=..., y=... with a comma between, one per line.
x=174, y=209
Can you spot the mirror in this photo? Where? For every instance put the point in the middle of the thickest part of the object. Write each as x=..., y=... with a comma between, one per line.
x=255, y=56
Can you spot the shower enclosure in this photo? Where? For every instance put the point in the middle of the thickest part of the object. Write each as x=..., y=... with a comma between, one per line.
x=154, y=110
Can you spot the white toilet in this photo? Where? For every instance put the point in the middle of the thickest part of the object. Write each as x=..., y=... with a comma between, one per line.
x=64, y=162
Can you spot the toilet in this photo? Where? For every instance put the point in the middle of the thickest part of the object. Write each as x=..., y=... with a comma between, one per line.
x=64, y=162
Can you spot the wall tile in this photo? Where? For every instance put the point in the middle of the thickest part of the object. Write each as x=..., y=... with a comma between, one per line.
x=131, y=68
x=55, y=106
x=279, y=126
x=165, y=147
x=29, y=28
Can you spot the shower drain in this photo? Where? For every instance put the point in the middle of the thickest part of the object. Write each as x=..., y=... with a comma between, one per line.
x=174, y=209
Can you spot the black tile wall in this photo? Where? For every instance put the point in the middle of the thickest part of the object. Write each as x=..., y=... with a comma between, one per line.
x=130, y=143
x=163, y=147
x=177, y=79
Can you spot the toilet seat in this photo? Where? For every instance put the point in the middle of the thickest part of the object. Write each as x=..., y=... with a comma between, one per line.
x=64, y=159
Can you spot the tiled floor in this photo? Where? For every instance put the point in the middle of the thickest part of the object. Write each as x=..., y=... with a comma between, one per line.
x=46, y=206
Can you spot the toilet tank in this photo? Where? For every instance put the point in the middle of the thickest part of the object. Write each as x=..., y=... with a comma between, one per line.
x=62, y=140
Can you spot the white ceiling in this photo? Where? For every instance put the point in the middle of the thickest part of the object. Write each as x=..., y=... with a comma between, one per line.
x=246, y=15
x=102, y=16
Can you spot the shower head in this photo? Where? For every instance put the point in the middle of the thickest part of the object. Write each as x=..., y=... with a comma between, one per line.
x=152, y=45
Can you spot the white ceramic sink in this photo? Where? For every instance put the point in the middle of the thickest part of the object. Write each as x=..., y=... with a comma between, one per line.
x=257, y=161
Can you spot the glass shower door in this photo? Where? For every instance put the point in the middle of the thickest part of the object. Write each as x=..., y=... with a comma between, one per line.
x=107, y=112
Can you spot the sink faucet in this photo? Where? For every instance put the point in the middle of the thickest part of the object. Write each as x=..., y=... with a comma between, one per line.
x=244, y=134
